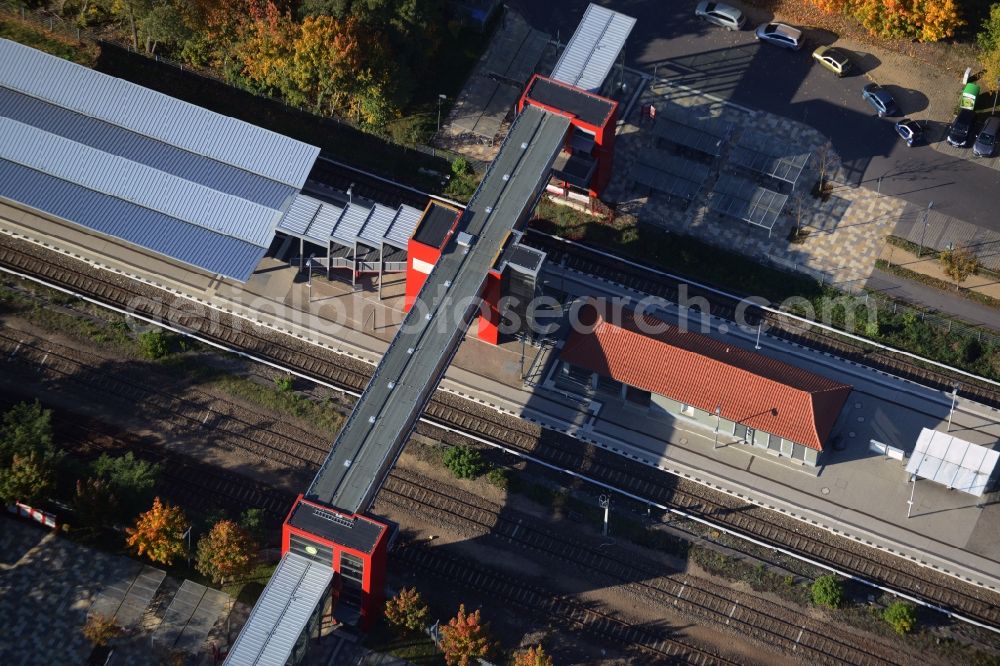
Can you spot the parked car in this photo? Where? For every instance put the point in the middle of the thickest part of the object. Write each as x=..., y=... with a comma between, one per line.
x=911, y=131
x=722, y=15
x=880, y=100
x=961, y=127
x=780, y=34
x=833, y=59
x=969, y=94
x=986, y=142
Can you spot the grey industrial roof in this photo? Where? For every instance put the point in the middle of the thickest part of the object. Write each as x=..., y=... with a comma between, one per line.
x=281, y=613
x=374, y=434
x=320, y=221
x=125, y=161
x=132, y=223
x=593, y=48
x=434, y=225
x=155, y=115
x=745, y=200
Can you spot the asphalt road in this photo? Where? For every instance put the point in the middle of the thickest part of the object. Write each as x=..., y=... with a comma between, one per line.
x=733, y=66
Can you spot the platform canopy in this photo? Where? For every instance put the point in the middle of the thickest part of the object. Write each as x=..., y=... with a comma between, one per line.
x=282, y=612
x=371, y=224
x=952, y=462
x=128, y=162
x=593, y=48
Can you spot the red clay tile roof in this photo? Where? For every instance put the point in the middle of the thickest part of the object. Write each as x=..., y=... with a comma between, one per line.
x=696, y=370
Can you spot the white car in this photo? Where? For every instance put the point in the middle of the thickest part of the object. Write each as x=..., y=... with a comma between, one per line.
x=780, y=34
x=722, y=15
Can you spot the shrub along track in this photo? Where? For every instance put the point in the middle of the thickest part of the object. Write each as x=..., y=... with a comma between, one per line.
x=747, y=615
x=338, y=369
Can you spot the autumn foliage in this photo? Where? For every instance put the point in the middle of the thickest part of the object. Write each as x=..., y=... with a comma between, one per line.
x=465, y=638
x=533, y=656
x=159, y=533
x=226, y=552
x=926, y=20
x=407, y=610
x=100, y=630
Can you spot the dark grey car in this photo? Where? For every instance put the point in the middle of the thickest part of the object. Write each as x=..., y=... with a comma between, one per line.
x=986, y=142
x=961, y=127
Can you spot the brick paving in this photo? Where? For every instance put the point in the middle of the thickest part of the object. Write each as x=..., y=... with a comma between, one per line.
x=46, y=588
x=845, y=232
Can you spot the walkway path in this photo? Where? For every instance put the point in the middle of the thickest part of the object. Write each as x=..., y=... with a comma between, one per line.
x=942, y=301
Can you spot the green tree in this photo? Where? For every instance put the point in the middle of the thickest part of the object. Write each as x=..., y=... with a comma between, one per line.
x=226, y=552
x=95, y=502
x=463, y=461
x=158, y=533
x=153, y=344
x=901, y=617
x=989, y=33
x=827, y=591
x=25, y=428
x=28, y=479
x=130, y=479
x=407, y=610
x=465, y=638
x=252, y=520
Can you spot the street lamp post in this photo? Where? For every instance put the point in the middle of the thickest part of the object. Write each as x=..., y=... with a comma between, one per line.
x=954, y=398
x=909, y=503
x=441, y=98
x=927, y=214
x=309, y=282
x=605, y=502
x=718, y=417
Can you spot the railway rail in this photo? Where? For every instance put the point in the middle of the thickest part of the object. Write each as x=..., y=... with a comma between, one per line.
x=749, y=616
x=650, y=280
x=935, y=588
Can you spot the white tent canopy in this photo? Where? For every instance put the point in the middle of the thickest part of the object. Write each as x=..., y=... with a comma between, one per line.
x=952, y=462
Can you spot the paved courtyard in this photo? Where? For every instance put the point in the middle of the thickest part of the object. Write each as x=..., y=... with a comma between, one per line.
x=844, y=233
x=47, y=586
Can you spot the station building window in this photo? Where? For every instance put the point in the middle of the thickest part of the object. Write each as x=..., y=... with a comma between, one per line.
x=774, y=443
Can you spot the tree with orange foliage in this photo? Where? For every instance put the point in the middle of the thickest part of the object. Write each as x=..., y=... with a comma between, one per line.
x=927, y=20
x=158, y=533
x=939, y=19
x=407, y=610
x=227, y=551
x=327, y=58
x=265, y=45
x=533, y=656
x=465, y=638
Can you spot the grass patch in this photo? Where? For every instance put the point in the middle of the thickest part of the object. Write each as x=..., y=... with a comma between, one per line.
x=757, y=576
x=325, y=415
x=417, y=648
x=247, y=590
x=29, y=34
x=937, y=283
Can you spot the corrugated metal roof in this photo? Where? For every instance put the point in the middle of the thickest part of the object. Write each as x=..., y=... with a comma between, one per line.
x=300, y=215
x=136, y=183
x=402, y=228
x=138, y=148
x=593, y=48
x=281, y=613
x=188, y=243
x=155, y=115
x=752, y=389
x=350, y=223
x=377, y=224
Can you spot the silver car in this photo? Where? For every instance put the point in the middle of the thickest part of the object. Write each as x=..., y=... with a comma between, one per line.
x=986, y=142
x=781, y=35
x=724, y=16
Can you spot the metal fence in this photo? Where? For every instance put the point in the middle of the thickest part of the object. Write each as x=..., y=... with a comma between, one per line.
x=62, y=27
x=890, y=305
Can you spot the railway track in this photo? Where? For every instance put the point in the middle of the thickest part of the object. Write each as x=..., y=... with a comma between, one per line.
x=651, y=281
x=746, y=518
x=515, y=593
x=751, y=617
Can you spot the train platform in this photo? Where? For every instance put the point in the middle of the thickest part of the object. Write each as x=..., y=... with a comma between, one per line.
x=856, y=492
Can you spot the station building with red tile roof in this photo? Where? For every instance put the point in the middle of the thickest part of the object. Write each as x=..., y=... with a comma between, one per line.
x=746, y=396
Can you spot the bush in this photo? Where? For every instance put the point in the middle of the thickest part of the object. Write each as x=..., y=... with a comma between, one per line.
x=130, y=479
x=100, y=630
x=901, y=617
x=284, y=383
x=499, y=477
x=464, y=462
x=827, y=591
x=153, y=344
